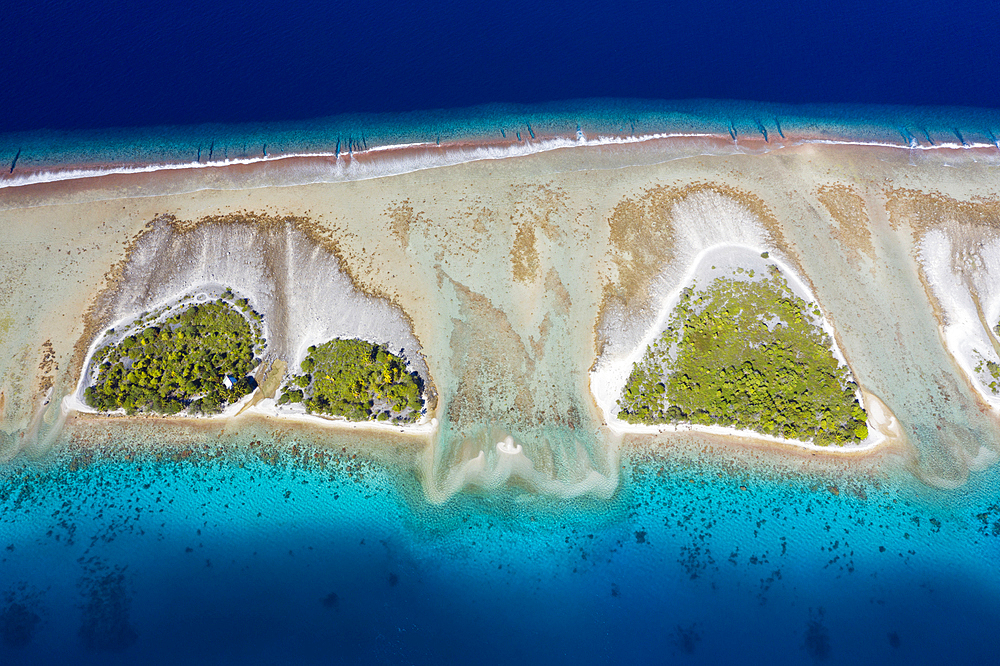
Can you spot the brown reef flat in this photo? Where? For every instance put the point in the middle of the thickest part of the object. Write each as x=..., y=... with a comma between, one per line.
x=517, y=275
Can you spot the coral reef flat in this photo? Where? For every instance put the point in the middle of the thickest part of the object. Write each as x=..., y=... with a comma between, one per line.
x=521, y=289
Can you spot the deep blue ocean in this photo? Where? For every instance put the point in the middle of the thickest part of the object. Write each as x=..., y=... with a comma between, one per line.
x=238, y=559
x=110, y=63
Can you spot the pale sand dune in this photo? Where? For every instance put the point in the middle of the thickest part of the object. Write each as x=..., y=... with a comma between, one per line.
x=508, y=271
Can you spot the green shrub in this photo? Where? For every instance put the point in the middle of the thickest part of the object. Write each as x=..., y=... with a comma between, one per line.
x=749, y=355
x=357, y=380
x=179, y=363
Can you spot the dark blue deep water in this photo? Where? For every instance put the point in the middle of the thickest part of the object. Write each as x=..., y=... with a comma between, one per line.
x=108, y=63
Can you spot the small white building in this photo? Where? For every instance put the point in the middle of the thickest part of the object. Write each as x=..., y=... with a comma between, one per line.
x=228, y=381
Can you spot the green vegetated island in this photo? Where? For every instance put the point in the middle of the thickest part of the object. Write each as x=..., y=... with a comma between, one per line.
x=197, y=358
x=357, y=380
x=749, y=354
x=992, y=367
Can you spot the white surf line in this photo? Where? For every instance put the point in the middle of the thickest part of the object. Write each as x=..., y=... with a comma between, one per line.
x=479, y=153
x=348, y=168
x=945, y=145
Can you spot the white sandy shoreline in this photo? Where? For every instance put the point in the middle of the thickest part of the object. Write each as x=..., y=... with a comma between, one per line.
x=608, y=380
x=606, y=384
x=876, y=439
x=267, y=408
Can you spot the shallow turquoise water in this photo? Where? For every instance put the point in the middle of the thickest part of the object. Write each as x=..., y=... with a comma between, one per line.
x=234, y=559
x=921, y=126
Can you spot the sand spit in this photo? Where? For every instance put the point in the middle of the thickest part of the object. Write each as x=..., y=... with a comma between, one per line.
x=959, y=253
x=528, y=280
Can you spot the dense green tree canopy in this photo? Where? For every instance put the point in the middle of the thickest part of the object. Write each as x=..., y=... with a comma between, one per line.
x=179, y=363
x=748, y=354
x=356, y=380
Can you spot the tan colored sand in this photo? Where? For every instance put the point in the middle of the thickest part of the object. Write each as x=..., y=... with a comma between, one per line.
x=533, y=247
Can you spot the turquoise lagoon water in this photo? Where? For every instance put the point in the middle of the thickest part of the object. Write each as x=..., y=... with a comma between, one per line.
x=317, y=557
